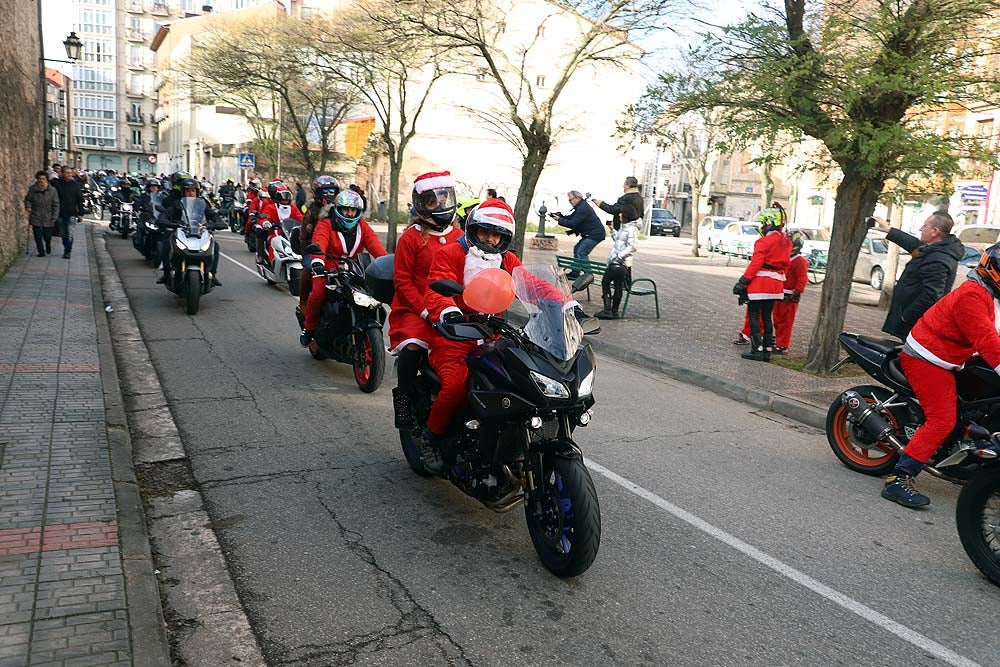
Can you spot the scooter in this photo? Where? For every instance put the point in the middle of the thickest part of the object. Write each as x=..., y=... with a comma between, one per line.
x=192, y=249
x=279, y=264
x=237, y=212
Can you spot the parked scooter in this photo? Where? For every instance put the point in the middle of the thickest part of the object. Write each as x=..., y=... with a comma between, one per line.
x=279, y=263
x=350, y=324
x=192, y=247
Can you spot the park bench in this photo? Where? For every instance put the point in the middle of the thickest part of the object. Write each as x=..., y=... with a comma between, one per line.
x=598, y=269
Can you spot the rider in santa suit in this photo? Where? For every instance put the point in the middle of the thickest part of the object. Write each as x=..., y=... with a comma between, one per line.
x=796, y=278
x=253, y=203
x=341, y=232
x=275, y=209
x=430, y=230
x=965, y=322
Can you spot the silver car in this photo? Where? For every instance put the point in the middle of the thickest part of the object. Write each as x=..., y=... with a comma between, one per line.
x=870, y=267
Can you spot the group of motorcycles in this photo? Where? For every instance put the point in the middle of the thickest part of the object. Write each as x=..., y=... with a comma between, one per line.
x=869, y=425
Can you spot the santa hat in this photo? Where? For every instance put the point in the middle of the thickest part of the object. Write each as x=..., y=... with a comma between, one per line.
x=433, y=180
x=495, y=213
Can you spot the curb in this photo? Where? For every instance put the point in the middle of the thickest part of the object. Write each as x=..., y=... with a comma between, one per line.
x=145, y=616
x=804, y=413
x=209, y=627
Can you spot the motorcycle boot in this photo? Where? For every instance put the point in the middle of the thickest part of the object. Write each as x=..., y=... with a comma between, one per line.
x=305, y=337
x=899, y=486
x=430, y=454
x=768, y=348
x=605, y=313
x=164, y=279
x=756, y=351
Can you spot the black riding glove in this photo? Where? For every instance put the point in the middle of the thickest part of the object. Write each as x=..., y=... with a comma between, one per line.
x=741, y=286
x=454, y=317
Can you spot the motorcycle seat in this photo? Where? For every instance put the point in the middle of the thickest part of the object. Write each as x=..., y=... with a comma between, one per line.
x=895, y=372
x=883, y=345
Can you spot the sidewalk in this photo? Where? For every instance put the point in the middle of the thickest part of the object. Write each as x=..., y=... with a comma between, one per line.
x=699, y=318
x=76, y=578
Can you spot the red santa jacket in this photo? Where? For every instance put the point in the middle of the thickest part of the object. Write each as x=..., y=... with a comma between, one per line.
x=253, y=202
x=796, y=277
x=275, y=213
x=334, y=244
x=449, y=264
x=413, y=260
x=766, y=271
x=962, y=323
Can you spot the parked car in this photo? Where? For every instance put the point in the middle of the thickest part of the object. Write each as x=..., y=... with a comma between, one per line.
x=663, y=222
x=737, y=238
x=968, y=262
x=871, y=263
x=814, y=239
x=710, y=229
x=978, y=236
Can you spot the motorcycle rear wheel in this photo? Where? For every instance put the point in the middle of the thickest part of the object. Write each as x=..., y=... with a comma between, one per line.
x=567, y=532
x=877, y=461
x=369, y=369
x=977, y=517
x=192, y=295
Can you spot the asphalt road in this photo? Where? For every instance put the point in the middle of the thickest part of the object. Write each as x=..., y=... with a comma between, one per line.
x=730, y=537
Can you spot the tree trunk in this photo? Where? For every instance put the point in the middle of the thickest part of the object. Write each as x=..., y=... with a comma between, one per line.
x=531, y=171
x=695, y=217
x=856, y=197
x=395, y=169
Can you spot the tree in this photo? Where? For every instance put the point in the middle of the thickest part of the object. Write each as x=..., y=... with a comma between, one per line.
x=869, y=80
x=492, y=35
x=391, y=69
x=275, y=83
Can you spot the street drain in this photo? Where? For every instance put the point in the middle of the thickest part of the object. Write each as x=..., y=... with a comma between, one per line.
x=165, y=479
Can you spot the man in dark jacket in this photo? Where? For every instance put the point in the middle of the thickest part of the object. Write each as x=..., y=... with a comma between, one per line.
x=300, y=196
x=42, y=206
x=70, y=207
x=583, y=221
x=628, y=207
x=928, y=276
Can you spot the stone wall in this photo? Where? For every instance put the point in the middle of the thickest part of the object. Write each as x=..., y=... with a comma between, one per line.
x=21, y=132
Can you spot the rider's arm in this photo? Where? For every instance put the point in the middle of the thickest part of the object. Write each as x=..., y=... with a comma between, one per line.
x=370, y=242
x=403, y=275
x=977, y=317
x=757, y=258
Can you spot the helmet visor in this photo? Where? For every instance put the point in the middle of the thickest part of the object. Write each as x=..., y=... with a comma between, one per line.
x=437, y=199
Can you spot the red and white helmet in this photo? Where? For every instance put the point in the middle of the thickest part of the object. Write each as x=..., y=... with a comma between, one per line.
x=495, y=216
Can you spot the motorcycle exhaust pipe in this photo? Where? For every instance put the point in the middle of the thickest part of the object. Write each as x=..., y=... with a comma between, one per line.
x=871, y=420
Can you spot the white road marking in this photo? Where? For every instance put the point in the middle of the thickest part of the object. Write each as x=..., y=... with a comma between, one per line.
x=906, y=634
x=240, y=264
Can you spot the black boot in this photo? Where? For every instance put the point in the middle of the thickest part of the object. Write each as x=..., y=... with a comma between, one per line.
x=605, y=314
x=756, y=351
x=899, y=487
x=164, y=279
x=615, y=302
x=768, y=348
x=430, y=452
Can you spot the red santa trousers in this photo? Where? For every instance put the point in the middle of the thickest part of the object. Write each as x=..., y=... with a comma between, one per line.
x=783, y=317
x=447, y=358
x=935, y=389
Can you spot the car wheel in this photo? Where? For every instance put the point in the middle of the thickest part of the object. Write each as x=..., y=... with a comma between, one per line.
x=876, y=278
x=677, y=233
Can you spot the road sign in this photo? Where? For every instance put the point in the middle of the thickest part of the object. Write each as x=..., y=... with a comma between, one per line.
x=974, y=192
x=247, y=161
x=151, y=159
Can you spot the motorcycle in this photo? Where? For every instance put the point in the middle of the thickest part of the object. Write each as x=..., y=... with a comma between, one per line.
x=148, y=242
x=92, y=203
x=868, y=426
x=191, y=256
x=125, y=217
x=350, y=324
x=286, y=265
x=512, y=443
x=977, y=517
x=251, y=238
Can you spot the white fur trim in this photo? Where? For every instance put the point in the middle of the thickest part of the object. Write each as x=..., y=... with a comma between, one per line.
x=415, y=341
x=777, y=275
x=423, y=314
x=930, y=357
x=778, y=296
x=476, y=260
x=434, y=182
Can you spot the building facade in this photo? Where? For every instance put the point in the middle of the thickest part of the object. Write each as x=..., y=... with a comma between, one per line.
x=59, y=119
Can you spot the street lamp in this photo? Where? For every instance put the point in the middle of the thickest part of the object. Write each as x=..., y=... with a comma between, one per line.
x=74, y=47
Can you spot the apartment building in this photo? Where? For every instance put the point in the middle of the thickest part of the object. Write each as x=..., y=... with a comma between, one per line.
x=113, y=100
x=57, y=111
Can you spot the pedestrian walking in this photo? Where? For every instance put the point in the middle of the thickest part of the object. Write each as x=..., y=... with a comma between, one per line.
x=626, y=216
x=928, y=276
x=71, y=207
x=42, y=205
x=583, y=221
x=300, y=196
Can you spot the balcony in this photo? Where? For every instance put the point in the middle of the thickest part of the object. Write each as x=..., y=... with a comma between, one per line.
x=134, y=118
x=137, y=64
x=160, y=7
x=134, y=6
x=136, y=35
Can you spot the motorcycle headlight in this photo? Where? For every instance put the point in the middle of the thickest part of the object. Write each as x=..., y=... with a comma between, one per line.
x=550, y=388
x=207, y=244
x=365, y=301
x=587, y=386
x=177, y=242
x=126, y=207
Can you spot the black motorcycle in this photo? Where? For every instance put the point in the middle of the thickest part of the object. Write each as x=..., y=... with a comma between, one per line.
x=152, y=230
x=868, y=426
x=978, y=517
x=350, y=324
x=191, y=254
x=512, y=443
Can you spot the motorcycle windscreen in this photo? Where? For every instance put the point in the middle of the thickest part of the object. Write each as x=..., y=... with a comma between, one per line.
x=194, y=214
x=156, y=199
x=546, y=296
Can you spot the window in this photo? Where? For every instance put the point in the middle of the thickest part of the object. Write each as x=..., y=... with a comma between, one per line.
x=96, y=21
x=135, y=54
x=135, y=28
x=88, y=105
x=98, y=51
x=137, y=137
x=135, y=84
x=93, y=78
x=540, y=80
x=192, y=6
x=87, y=133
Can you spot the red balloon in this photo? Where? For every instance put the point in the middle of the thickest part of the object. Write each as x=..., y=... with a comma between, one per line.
x=490, y=291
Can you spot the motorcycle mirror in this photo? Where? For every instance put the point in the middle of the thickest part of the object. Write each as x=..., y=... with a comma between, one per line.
x=583, y=281
x=447, y=287
x=313, y=249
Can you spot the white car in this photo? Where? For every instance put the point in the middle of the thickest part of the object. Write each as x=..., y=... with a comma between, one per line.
x=814, y=239
x=737, y=238
x=870, y=265
x=710, y=228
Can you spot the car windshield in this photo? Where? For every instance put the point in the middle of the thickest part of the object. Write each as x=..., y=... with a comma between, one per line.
x=546, y=296
x=749, y=230
x=880, y=246
x=662, y=214
x=818, y=235
x=719, y=224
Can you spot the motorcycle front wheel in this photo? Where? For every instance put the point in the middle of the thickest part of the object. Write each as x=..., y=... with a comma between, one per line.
x=851, y=447
x=369, y=362
x=564, y=517
x=123, y=230
x=192, y=294
x=978, y=519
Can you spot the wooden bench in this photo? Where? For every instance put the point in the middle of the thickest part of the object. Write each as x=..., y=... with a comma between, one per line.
x=598, y=269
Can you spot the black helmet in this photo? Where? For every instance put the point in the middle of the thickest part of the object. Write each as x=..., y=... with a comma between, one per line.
x=150, y=182
x=798, y=238
x=495, y=216
x=325, y=189
x=988, y=269
x=190, y=184
x=272, y=187
x=434, y=199
x=176, y=178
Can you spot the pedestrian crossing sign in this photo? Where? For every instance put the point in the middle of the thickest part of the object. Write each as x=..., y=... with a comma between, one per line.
x=247, y=161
